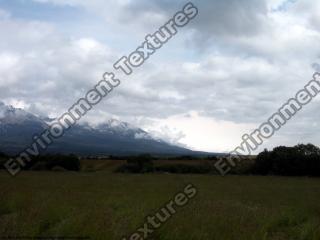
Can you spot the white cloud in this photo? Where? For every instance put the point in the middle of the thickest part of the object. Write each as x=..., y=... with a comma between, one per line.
x=209, y=133
x=239, y=63
x=9, y=67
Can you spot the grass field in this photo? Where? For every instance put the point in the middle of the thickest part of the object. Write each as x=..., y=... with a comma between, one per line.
x=105, y=205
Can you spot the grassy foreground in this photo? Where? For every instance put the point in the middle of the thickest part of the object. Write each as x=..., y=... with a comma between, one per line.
x=104, y=205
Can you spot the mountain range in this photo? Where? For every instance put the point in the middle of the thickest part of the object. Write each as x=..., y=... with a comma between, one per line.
x=17, y=128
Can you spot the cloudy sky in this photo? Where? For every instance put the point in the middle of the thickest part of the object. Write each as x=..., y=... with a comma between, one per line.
x=222, y=76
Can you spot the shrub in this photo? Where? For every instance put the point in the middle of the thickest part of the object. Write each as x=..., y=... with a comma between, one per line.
x=138, y=164
x=185, y=157
x=212, y=158
x=184, y=168
x=39, y=166
x=58, y=169
x=48, y=162
x=3, y=160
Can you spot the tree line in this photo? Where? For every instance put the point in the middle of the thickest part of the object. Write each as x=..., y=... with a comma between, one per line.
x=53, y=162
x=300, y=160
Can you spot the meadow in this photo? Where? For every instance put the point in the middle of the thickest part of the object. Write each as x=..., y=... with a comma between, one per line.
x=100, y=204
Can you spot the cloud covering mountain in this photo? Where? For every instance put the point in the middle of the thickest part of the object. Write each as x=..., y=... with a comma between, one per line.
x=17, y=127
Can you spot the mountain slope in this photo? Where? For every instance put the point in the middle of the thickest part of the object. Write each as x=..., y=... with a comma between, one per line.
x=17, y=127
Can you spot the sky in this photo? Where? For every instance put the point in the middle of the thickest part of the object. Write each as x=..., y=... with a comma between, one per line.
x=220, y=77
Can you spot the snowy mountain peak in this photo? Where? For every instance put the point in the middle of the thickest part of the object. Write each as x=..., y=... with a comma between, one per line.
x=11, y=115
x=116, y=125
x=17, y=127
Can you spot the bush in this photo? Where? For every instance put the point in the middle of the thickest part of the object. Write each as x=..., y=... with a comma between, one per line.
x=58, y=169
x=39, y=166
x=212, y=158
x=3, y=160
x=186, y=157
x=70, y=162
x=184, y=168
x=48, y=162
x=138, y=164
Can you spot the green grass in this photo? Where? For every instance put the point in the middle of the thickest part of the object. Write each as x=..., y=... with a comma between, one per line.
x=104, y=205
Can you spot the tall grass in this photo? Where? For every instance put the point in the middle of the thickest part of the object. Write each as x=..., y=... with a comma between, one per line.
x=104, y=205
